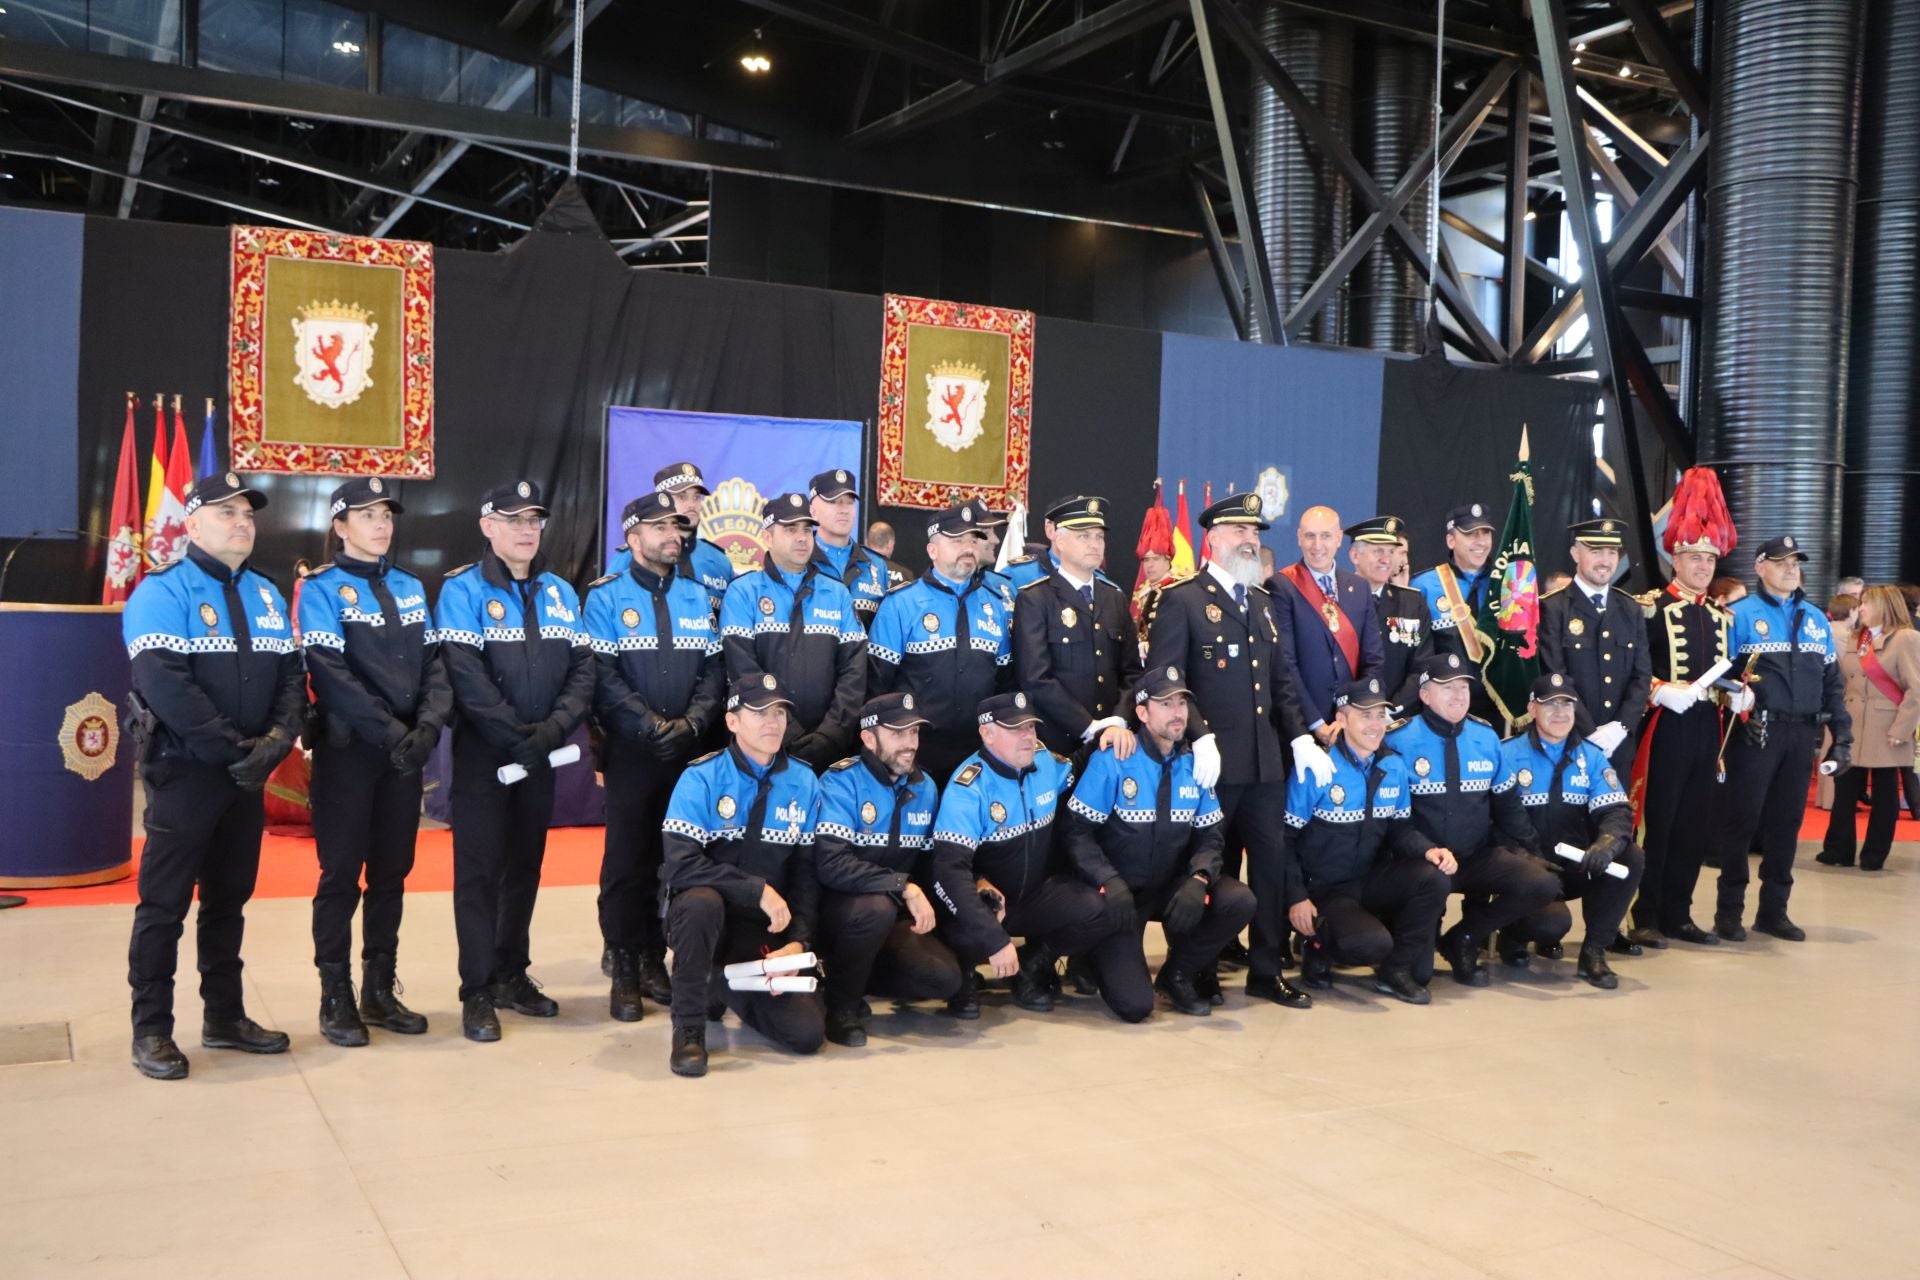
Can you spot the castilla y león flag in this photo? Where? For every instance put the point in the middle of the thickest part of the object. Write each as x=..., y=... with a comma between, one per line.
x=123, y=523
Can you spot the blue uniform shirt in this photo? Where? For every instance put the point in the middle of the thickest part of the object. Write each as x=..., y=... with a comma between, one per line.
x=735, y=826
x=701, y=561
x=658, y=651
x=859, y=570
x=372, y=653
x=994, y=824
x=818, y=654
x=1332, y=841
x=1458, y=810
x=1117, y=826
x=516, y=651
x=913, y=642
x=207, y=691
x=1796, y=661
x=874, y=831
x=1473, y=590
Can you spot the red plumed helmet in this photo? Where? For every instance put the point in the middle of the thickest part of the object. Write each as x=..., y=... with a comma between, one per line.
x=1699, y=519
x=1156, y=530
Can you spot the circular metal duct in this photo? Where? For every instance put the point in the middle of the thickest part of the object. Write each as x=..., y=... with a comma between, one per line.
x=1394, y=116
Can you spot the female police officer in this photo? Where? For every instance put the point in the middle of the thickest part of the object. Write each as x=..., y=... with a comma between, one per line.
x=381, y=699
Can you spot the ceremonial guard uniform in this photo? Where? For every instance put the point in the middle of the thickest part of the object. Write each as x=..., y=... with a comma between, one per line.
x=521, y=666
x=803, y=630
x=860, y=571
x=871, y=845
x=381, y=698
x=1791, y=664
x=949, y=645
x=996, y=824
x=217, y=697
x=1465, y=799
x=1573, y=795
x=1225, y=640
x=1356, y=854
x=1144, y=831
x=1406, y=631
x=1075, y=651
x=733, y=828
x=657, y=697
x=1597, y=638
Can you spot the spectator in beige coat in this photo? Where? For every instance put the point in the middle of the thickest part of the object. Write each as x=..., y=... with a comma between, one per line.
x=1882, y=672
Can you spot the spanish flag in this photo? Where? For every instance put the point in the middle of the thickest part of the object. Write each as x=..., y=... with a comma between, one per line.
x=1183, y=562
x=156, y=483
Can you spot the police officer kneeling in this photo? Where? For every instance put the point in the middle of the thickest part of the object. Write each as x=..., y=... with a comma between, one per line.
x=876, y=922
x=994, y=871
x=739, y=875
x=381, y=699
x=1364, y=886
x=1572, y=796
x=1149, y=836
x=218, y=690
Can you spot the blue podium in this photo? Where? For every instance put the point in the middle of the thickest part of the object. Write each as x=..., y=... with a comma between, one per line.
x=66, y=767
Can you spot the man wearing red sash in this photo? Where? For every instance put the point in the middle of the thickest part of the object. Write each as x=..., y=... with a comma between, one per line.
x=1329, y=613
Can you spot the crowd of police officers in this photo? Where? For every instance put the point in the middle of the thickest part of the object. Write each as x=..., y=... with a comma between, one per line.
x=813, y=757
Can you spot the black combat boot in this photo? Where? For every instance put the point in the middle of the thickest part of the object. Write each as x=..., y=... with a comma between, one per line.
x=478, y=1022
x=624, y=1001
x=965, y=1003
x=1177, y=986
x=379, y=1000
x=1033, y=984
x=689, y=1056
x=655, y=985
x=339, y=1020
x=1595, y=969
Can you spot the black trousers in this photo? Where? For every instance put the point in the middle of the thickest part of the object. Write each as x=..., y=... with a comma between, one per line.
x=1066, y=916
x=1603, y=903
x=1385, y=921
x=869, y=947
x=706, y=936
x=204, y=832
x=366, y=818
x=1120, y=961
x=1254, y=815
x=1766, y=794
x=638, y=787
x=1500, y=888
x=1678, y=813
x=1842, y=837
x=499, y=842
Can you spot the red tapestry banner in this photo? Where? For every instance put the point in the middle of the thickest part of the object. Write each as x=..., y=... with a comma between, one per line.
x=956, y=404
x=330, y=354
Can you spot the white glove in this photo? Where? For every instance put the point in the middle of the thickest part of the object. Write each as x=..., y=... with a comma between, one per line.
x=1309, y=757
x=1675, y=697
x=1608, y=737
x=1206, y=762
x=1098, y=727
x=1740, y=701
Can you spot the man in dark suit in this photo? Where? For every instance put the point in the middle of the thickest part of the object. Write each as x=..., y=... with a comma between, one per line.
x=1336, y=637
x=1596, y=635
x=1405, y=636
x=1218, y=628
x=1075, y=650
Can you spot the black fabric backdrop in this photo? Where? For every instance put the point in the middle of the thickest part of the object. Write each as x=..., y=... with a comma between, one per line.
x=1450, y=436
x=531, y=347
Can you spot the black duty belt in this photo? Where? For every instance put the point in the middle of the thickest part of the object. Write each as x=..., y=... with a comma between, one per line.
x=1788, y=717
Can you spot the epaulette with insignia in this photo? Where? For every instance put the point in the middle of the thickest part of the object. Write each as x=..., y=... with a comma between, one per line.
x=901, y=586
x=965, y=777
x=1649, y=603
x=703, y=759
x=160, y=569
x=1548, y=595
x=1477, y=720
x=1060, y=758
x=1031, y=585
x=602, y=580
x=838, y=765
x=454, y=573
x=1019, y=560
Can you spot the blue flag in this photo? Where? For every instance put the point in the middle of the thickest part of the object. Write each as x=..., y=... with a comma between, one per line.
x=744, y=459
x=209, y=463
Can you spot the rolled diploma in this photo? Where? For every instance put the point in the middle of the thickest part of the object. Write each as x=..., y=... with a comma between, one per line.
x=779, y=984
x=774, y=964
x=1572, y=854
x=512, y=773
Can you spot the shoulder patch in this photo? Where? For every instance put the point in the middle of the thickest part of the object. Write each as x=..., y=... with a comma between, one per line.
x=965, y=777
x=838, y=765
x=166, y=568
x=602, y=580
x=1477, y=720
x=1031, y=585
x=1066, y=760
x=1548, y=595
x=703, y=759
x=1021, y=560
x=901, y=586
x=454, y=573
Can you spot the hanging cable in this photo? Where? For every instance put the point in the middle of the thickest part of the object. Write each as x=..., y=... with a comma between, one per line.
x=573, y=136
x=1433, y=199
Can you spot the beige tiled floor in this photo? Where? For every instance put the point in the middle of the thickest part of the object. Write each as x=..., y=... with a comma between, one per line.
x=1744, y=1112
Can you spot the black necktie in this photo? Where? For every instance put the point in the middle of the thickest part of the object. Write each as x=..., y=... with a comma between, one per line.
x=1453, y=764
x=902, y=791
x=237, y=615
x=530, y=608
x=757, y=812
x=797, y=620
x=1793, y=634
x=1559, y=768
x=1240, y=596
x=1086, y=594
x=662, y=627
x=1163, y=800
x=388, y=611
x=962, y=637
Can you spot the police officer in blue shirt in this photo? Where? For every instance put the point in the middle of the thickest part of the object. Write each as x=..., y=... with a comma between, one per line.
x=518, y=656
x=876, y=921
x=1457, y=587
x=699, y=559
x=791, y=619
x=993, y=525
x=1364, y=885
x=835, y=506
x=381, y=698
x=1147, y=834
x=1573, y=796
x=658, y=693
x=1463, y=795
x=739, y=881
x=1793, y=689
x=995, y=874
x=946, y=639
x=217, y=696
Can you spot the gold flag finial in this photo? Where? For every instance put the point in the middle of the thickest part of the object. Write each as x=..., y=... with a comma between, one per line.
x=1526, y=454
x=176, y=402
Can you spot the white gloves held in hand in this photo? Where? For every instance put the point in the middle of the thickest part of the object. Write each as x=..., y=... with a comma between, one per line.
x=1608, y=737
x=1675, y=697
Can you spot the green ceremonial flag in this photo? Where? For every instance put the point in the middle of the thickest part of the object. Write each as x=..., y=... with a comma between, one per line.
x=1511, y=614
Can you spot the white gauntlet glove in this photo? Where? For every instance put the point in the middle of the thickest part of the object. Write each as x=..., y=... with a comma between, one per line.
x=1310, y=757
x=1206, y=762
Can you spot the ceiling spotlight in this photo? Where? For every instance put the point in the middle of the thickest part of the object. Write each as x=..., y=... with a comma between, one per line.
x=346, y=47
x=756, y=64
x=1581, y=47
x=1576, y=62
x=1626, y=73
x=1530, y=216
x=268, y=180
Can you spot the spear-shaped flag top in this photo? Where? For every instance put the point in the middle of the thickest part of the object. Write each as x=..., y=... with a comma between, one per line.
x=123, y=522
x=209, y=451
x=1511, y=614
x=156, y=481
x=1183, y=563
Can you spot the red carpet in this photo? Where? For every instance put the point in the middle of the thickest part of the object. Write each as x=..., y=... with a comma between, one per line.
x=288, y=869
